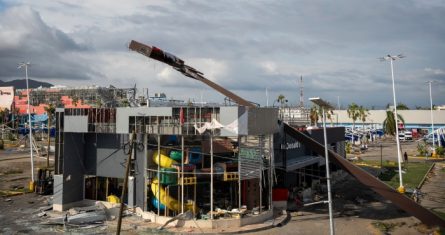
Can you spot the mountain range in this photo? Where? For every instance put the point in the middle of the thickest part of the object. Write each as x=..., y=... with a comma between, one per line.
x=21, y=84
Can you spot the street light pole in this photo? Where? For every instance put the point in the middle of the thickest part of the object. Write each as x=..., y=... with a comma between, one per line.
x=325, y=105
x=21, y=65
x=401, y=188
x=432, y=120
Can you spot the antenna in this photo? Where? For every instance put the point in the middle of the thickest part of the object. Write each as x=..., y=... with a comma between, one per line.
x=301, y=93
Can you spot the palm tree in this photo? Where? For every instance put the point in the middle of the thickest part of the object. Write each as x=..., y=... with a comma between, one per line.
x=330, y=116
x=363, y=114
x=353, y=113
x=402, y=106
x=314, y=116
x=389, y=124
x=281, y=99
x=50, y=110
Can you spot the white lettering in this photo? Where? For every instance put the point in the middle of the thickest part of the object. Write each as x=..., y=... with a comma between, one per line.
x=287, y=146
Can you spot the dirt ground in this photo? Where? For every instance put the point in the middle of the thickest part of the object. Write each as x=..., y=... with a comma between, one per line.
x=357, y=210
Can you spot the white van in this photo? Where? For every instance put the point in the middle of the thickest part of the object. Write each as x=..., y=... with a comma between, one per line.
x=402, y=136
x=408, y=135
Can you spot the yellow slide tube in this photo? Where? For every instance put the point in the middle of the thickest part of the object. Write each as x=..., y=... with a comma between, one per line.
x=168, y=201
x=166, y=161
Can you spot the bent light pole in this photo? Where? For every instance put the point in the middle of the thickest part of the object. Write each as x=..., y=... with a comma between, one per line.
x=25, y=65
x=326, y=106
x=401, y=188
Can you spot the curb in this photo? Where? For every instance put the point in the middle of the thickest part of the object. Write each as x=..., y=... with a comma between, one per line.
x=426, y=174
x=280, y=224
x=273, y=225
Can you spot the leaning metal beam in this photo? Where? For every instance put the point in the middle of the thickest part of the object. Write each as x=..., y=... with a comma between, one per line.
x=398, y=199
x=179, y=65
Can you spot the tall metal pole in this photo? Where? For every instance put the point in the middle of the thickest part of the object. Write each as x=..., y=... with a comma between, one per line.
x=401, y=188
x=211, y=176
x=328, y=177
x=432, y=120
x=239, y=173
x=21, y=65
x=182, y=174
x=159, y=174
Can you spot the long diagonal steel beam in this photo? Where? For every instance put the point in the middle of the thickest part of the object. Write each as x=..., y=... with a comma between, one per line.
x=179, y=64
x=400, y=200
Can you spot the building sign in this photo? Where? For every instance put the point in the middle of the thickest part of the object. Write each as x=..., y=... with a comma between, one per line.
x=251, y=163
x=6, y=97
x=287, y=146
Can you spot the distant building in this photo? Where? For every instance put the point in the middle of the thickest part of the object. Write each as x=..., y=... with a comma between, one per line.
x=295, y=116
x=6, y=97
x=440, y=107
x=72, y=97
x=414, y=119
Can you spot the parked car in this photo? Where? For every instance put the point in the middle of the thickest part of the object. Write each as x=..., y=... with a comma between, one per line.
x=408, y=135
x=402, y=136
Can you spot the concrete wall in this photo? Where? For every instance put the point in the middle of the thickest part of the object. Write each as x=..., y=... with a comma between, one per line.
x=249, y=121
x=73, y=168
x=111, y=158
x=98, y=154
x=123, y=114
x=234, y=117
x=78, y=124
x=262, y=121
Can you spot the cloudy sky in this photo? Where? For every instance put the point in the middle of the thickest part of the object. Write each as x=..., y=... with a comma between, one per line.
x=245, y=46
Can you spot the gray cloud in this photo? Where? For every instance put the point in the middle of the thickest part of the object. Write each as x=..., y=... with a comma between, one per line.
x=245, y=46
x=26, y=37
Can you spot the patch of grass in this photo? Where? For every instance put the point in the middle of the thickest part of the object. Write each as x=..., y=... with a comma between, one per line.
x=377, y=163
x=414, y=174
x=386, y=227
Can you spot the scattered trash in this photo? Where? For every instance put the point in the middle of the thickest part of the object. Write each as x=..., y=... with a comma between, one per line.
x=87, y=218
x=41, y=214
x=8, y=200
x=183, y=216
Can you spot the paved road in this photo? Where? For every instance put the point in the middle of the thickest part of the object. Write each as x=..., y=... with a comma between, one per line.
x=434, y=188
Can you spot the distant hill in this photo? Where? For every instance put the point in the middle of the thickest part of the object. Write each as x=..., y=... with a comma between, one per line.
x=21, y=83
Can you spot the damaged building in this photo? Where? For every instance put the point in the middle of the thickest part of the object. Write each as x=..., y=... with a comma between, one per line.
x=223, y=163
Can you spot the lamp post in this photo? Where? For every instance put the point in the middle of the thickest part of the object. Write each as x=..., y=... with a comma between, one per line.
x=401, y=188
x=325, y=105
x=25, y=65
x=432, y=120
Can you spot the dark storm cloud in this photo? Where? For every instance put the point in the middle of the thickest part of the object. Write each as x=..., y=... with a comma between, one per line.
x=26, y=37
x=256, y=44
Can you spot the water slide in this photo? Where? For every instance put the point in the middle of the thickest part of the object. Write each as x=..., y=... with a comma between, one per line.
x=166, y=200
x=400, y=200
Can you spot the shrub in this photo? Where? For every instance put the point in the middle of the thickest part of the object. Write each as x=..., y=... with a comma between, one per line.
x=421, y=148
x=440, y=150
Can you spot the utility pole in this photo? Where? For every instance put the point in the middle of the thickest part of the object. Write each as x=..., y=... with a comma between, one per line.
x=124, y=190
x=301, y=93
x=401, y=188
x=325, y=106
x=432, y=120
x=25, y=65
